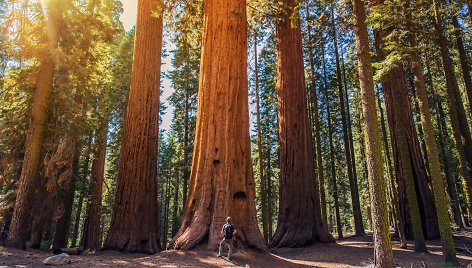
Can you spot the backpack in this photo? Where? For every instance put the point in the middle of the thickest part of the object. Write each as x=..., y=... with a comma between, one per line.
x=228, y=231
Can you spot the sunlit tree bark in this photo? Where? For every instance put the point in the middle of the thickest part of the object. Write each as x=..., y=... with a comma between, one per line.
x=382, y=246
x=221, y=181
x=134, y=225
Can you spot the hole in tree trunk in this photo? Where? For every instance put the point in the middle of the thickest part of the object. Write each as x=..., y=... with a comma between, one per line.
x=216, y=162
x=239, y=195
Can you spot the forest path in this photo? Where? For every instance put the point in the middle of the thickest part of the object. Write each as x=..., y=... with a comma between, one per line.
x=349, y=252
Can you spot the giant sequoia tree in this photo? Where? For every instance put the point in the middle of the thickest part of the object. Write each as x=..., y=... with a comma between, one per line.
x=221, y=180
x=134, y=223
x=300, y=221
x=28, y=181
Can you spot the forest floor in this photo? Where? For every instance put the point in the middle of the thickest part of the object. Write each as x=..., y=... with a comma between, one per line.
x=348, y=252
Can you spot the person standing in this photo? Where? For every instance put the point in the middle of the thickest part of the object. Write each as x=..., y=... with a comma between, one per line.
x=228, y=232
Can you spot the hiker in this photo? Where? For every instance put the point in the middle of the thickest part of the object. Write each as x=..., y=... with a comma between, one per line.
x=228, y=232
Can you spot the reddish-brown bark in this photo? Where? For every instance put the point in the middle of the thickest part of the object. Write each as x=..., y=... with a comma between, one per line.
x=134, y=225
x=221, y=180
x=28, y=181
x=300, y=221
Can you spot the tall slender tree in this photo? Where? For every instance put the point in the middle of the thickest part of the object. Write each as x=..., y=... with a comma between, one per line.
x=432, y=151
x=356, y=210
x=334, y=183
x=459, y=123
x=260, y=162
x=92, y=226
x=382, y=246
x=316, y=121
x=28, y=181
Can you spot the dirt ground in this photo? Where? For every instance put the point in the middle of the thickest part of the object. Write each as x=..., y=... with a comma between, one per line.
x=349, y=252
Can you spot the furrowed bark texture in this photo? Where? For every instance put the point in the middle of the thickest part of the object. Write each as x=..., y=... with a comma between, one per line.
x=423, y=192
x=299, y=221
x=437, y=181
x=221, y=181
x=405, y=161
x=433, y=156
x=29, y=178
x=382, y=247
x=134, y=225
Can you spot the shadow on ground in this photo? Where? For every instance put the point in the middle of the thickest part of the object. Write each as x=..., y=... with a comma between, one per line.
x=349, y=252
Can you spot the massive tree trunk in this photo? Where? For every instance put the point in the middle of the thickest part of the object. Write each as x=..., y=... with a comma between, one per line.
x=431, y=151
x=382, y=246
x=459, y=122
x=28, y=181
x=221, y=180
x=91, y=234
x=356, y=210
x=316, y=123
x=134, y=225
x=405, y=161
x=398, y=92
x=299, y=221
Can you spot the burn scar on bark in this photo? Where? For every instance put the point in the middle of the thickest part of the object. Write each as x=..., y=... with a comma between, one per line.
x=240, y=195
